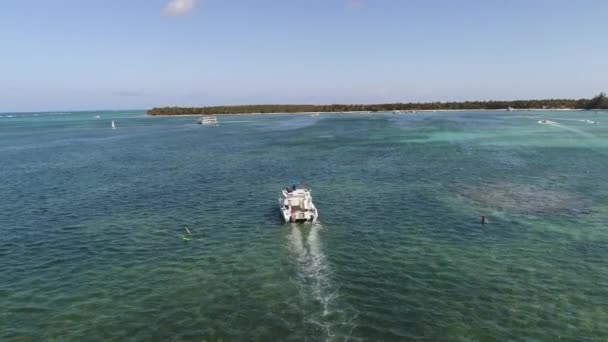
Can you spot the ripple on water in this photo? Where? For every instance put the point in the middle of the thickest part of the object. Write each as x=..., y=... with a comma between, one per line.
x=91, y=246
x=313, y=277
x=523, y=199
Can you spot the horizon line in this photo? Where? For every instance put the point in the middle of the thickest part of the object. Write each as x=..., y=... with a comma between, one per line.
x=285, y=104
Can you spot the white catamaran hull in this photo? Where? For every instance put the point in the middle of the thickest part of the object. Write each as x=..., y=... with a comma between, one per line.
x=296, y=206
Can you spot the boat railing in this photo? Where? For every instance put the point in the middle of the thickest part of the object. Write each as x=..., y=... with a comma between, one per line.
x=208, y=120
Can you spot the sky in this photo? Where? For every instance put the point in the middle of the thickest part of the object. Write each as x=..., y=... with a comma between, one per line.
x=137, y=54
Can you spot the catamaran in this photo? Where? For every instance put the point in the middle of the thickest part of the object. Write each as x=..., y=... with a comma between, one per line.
x=296, y=205
x=208, y=120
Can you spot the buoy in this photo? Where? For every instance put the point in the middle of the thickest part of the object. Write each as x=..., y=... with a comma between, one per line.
x=483, y=219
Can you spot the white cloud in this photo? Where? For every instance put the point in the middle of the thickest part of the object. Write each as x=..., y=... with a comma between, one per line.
x=180, y=7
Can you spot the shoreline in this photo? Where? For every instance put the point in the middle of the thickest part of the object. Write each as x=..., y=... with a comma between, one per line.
x=382, y=112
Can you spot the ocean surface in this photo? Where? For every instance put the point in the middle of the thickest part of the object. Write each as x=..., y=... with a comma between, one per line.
x=91, y=227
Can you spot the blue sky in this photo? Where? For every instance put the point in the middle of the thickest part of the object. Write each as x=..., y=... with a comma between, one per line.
x=118, y=54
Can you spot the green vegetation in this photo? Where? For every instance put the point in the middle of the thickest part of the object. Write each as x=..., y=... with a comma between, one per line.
x=598, y=102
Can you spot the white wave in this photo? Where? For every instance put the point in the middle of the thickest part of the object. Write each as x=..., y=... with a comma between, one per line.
x=578, y=120
x=296, y=246
x=318, y=268
x=567, y=119
x=312, y=268
x=571, y=129
x=314, y=280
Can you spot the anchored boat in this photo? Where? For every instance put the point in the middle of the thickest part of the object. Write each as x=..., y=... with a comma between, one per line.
x=210, y=120
x=296, y=205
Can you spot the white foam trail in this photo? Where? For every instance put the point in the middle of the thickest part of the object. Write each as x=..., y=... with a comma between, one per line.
x=579, y=120
x=567, y=119
x=296, y=245
x=314, y=273
x=571, y=129
x=318, y=268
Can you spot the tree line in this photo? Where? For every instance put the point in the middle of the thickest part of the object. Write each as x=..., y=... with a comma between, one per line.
x=598, y=102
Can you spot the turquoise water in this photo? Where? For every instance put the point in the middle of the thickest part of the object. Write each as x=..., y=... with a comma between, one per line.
x=91, y=218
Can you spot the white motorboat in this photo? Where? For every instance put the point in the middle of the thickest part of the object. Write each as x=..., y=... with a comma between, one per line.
x=210, y=120
x=548, y=122
x=296, y=205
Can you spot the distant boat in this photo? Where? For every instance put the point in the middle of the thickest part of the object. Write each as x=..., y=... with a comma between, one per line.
x=210, y=120
x=404, y=112
x=510, y=109
x=547, y=122
x=113, y=125
x=97, y=117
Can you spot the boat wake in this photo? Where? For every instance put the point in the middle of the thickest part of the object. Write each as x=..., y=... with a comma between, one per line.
x=314, y=279
x=318, y=268
x=579, y=120
x=296, y=246
x=567, y=128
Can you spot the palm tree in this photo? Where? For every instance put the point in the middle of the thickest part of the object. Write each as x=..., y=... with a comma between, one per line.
x=598, y=102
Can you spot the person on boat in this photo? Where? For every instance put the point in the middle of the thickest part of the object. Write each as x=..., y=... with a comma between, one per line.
x=293, y=187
